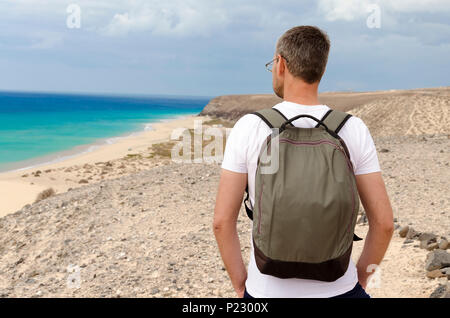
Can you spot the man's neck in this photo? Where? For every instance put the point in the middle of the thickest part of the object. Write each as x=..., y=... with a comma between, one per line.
x=302, y=93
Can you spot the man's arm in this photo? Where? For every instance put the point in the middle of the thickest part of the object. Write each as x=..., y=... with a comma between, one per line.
x=375, y=200
x=228, y=203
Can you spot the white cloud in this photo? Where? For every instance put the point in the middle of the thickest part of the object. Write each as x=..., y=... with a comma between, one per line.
x=179, y=18
x=346, y=10
x=433, y=6
x=199, y=17
x=349, y=10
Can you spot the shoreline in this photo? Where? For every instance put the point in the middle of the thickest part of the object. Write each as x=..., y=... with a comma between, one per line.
x=16, y=191
x=79, y=150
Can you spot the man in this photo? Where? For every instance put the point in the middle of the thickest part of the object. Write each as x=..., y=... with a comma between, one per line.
x=297, y=68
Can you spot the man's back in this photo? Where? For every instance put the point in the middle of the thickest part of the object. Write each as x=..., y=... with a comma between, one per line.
x=297, y=68
x=241, y=155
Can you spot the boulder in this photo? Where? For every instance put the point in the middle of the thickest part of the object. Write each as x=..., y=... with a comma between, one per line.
x=446, y=272
x=423, y=244
x=443, y=244
x=443, y=291
x=432, y=246
x=412, y=234
x=437, y=259
x=403, y=231
x=426, y=239
x=437, y=273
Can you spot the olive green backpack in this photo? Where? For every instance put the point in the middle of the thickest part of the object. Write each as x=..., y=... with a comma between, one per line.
x=306, y=203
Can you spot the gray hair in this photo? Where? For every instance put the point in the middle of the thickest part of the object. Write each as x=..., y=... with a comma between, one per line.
x=306, y=50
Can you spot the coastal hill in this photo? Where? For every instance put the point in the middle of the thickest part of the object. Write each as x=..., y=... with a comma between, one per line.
x=388, y=112
x=142, y=226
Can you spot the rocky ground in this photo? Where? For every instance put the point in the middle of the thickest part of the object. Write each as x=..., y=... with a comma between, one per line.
x=149, y=234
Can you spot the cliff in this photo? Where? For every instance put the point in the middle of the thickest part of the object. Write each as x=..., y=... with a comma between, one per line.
x=232, y=107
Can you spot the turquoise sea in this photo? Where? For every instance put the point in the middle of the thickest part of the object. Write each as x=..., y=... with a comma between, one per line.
x=37, y=125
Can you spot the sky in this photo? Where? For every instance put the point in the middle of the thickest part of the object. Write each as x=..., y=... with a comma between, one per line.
x=216, y=47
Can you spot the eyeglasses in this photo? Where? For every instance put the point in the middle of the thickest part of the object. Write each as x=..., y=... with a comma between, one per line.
x=269, y=65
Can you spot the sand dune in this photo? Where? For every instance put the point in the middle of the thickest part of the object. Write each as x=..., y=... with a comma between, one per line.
x=424, y=113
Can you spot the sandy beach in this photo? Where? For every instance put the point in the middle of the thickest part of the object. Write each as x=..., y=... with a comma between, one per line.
x=19, y=188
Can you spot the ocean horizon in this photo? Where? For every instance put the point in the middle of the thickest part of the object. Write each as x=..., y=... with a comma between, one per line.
x=38, y=128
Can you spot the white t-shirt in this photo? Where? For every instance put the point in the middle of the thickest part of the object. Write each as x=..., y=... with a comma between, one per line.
x=241, y=156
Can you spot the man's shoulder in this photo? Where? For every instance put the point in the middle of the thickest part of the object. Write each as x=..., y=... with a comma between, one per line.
x=356, y=124
x=249, y=121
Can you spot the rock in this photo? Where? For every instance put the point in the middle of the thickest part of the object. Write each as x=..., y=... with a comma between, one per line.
x=435, y=274
x=423, y=245
x=446, y=272
x=412, y=234
x=437, y=259
x=403, y=231
x=362, y=219
x=154, y=291
x=439, y=292
x=408, y=241
x=428, y=238
x=432, y=246
x=443, y=291
x=444, y=244
x=83, y=181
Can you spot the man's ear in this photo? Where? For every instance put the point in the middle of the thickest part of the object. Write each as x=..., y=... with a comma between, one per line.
x=281, y=67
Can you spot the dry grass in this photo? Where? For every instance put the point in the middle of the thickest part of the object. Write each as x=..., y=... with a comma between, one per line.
x=164, y=150
x=219, y=122
x=45, y=194
x=133, y=156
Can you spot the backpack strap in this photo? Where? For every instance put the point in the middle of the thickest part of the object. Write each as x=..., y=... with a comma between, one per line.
x=272, y=117
x=335, y=120
x=247, y=204
x=324, y=117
